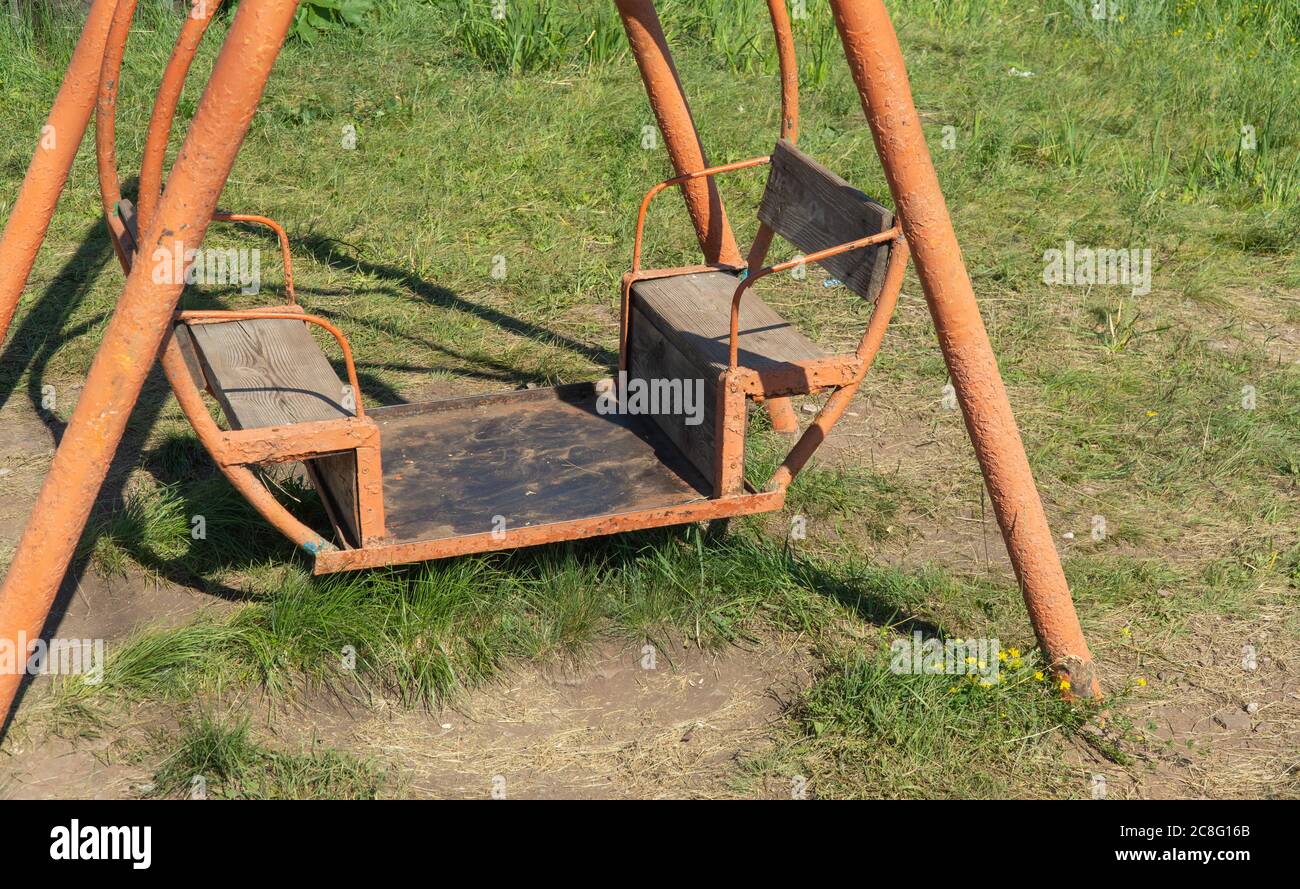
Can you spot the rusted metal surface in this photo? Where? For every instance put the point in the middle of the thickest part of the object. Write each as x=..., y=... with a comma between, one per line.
x=780, y=410
x=751, y=279
x=295, y=442
x=212, y=437
x=110, y=188
x=56, y=146
x=164, y=107
x=139, y=325
x=671, y=110
x=281, y=235
x=801, y=377
x=729, y=440
x=876, y=63
x=654, y=190
x=535, y=535
x=370, y=493
x=789, y=65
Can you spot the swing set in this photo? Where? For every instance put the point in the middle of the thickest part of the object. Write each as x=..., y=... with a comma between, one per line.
x=412, y=482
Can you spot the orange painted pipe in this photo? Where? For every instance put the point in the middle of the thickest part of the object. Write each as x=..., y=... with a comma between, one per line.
x=48, y=171
x=281, y=235
x=664, y=87
x=140, y=324
x=780, y=410
x=750, y=280
x=876, y=63
x=164, y=106
x=241, y=477
x=789, y=69
x=110, y=189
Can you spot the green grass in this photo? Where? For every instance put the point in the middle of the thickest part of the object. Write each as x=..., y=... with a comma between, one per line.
x=212, y=758
x=427, y=634
x=864, y=731
x=521, y=137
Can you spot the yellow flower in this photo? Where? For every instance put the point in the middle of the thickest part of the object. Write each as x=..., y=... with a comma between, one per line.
x=953, y=690
x=1015, y=663
x=1126, y=632
x=1141, y=683
x=1153, y=413
x=1065, y=685
x=1038, y=674
x=970, y=660
x=1002, y=656
x=1015, y=652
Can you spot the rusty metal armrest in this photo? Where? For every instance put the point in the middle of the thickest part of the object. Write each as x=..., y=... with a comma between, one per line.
x=281, y=235
x=635, y=275
x=680, y=180
x=218, y=316
x=749, y=279
x=838, y=402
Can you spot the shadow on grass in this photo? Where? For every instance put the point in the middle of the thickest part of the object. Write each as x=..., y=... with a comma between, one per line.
x=326, y=251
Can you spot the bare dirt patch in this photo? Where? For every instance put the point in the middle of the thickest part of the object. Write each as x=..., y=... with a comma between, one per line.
x=613, y=729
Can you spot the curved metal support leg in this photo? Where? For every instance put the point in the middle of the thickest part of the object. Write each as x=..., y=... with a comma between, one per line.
x=876, y=63
x=139, y=326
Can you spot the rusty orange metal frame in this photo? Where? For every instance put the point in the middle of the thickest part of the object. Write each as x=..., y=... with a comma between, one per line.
x=281, y=235
x=141, y=325
x=673, y=113
x=213, y=439
x=164, y=107
x=750, y=279
x=876, y=62
x=535, y=535
x=110, y=189
x=625, y=318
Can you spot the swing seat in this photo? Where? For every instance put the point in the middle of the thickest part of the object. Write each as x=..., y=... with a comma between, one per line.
x=679, y=320
x=693, y=312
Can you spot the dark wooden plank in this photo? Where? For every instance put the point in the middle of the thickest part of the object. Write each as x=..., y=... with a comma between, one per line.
x=814, y=209
x=271, y=372
x=694, y=313
x=528, y=461
x=185, y=345
x=653, y=356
